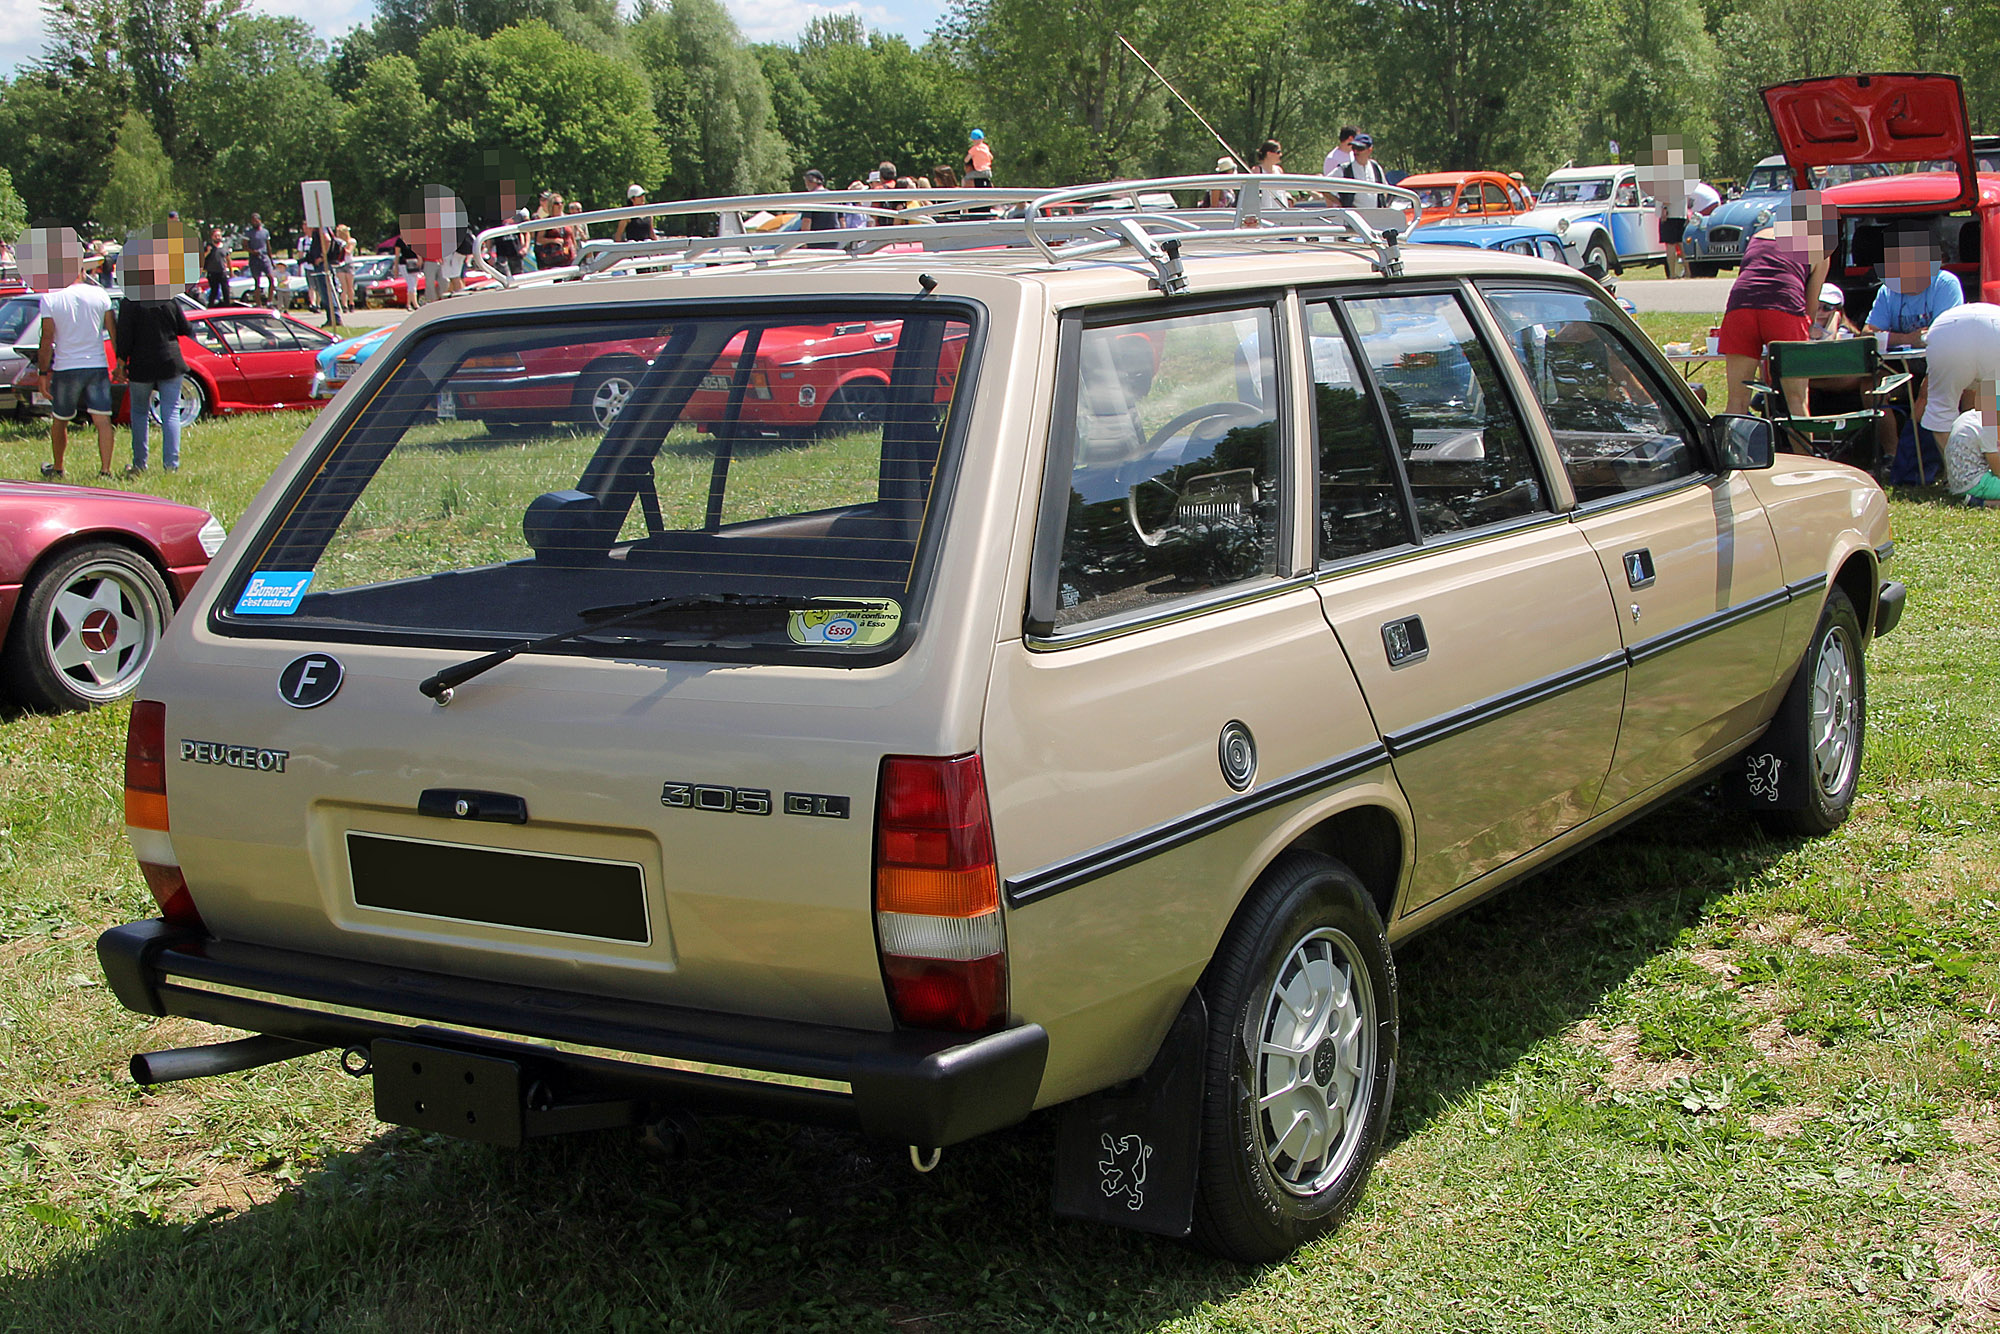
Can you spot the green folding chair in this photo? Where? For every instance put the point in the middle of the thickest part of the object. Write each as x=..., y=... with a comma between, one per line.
x=1847, y=436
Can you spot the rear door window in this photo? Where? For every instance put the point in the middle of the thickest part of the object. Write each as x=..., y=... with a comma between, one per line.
x=1616, y=427
x=1361, y=501
x=1175, y=479
x=1458, y=434
x=517, y=479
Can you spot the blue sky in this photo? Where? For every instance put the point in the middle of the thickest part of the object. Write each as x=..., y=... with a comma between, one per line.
x=21, y=31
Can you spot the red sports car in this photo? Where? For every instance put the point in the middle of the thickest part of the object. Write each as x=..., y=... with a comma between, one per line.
x=88, y=578
x=239, y=360
x=803, y=377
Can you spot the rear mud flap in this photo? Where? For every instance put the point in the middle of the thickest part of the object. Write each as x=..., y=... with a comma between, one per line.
x=1127, y=1156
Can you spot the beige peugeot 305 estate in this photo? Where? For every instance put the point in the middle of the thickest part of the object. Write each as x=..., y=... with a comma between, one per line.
x=588, y=724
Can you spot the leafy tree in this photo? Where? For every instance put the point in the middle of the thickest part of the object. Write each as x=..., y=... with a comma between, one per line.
x=876, y=99
x=56, y=138
x=13, y=213
x=712, y=101
x=136, y=50
x=1464, y=83
x=140, y=188
x=259, y=118
x=402, y=25
x=580, y=121
x=1064, y=99
x=386, y=148
x=1651, y=68
x=1770, y=41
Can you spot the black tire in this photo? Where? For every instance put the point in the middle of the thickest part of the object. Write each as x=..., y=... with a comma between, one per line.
x=85, y=628
x=1600, y=255
x=857, y=404
x=602, y=392
x=1703, y=268
x=1309, y=923
x=1822, y=724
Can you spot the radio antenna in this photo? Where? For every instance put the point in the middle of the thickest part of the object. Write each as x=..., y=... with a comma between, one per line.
x=1234, y=156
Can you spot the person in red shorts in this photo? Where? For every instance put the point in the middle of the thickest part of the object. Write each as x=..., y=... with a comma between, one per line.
x=1767, y=302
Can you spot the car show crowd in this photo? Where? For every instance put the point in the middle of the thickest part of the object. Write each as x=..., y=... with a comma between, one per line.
x=1596, y=218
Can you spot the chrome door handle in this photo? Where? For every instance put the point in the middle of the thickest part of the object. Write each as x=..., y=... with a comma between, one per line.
x=1405, y=641
x=1639, y=568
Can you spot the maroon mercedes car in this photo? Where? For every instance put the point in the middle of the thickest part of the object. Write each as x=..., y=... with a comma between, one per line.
x=88, y=578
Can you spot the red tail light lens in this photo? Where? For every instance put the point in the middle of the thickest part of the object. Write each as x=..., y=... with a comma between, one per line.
x=170, y=891
x=937, y=894
x=146, y=814
x=146, y=766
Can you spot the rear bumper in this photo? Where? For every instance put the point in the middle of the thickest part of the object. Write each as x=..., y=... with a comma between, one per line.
x=926, y=1089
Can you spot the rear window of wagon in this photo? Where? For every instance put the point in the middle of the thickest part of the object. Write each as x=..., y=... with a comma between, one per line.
x=508, y=475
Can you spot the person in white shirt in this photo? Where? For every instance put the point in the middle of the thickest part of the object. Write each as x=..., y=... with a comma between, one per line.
x=1343, y=153
x=72, y=367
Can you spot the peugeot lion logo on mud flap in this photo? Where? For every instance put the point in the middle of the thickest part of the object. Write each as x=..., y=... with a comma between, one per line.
x=310, y=681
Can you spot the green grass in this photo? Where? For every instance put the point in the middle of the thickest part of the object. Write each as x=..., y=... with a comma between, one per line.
x=1693, y=1079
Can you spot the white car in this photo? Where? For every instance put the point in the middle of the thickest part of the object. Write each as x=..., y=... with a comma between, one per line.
x=1601, y=215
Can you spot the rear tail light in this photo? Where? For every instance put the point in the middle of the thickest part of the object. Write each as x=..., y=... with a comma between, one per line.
x=937, y=894
x=146, y=814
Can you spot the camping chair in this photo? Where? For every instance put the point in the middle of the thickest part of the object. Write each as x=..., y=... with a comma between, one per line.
x=1847, y=436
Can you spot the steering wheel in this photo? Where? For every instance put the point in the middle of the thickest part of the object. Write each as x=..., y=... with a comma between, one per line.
x=1233, y=413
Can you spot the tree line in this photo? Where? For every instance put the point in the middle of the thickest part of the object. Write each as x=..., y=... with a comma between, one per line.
x=137, y=106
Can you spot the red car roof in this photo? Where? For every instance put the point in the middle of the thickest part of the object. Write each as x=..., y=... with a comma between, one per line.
x=1930, y=191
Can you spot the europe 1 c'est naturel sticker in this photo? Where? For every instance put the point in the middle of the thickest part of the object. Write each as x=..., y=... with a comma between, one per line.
x=274, y=592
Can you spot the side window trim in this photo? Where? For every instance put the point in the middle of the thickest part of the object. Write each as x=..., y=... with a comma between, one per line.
x=1365, y=372
x=1059, y=457
x=1677, y=394
x=1541, y=445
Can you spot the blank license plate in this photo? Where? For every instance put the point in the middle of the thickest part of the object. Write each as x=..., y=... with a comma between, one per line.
x=527, y=891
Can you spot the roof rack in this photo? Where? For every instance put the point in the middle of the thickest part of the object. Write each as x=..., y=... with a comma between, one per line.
x=1083, y=222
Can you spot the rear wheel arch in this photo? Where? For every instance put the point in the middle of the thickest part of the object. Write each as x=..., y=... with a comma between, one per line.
x=1369, y=837
x=1369, y=840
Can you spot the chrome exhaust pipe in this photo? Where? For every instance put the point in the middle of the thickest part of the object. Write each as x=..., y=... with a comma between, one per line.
x=221, y=1058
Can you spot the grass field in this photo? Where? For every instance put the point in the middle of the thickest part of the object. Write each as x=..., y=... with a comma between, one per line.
x=1693, y=1079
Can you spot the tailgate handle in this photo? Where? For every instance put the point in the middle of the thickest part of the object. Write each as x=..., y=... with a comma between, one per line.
x=451, y=803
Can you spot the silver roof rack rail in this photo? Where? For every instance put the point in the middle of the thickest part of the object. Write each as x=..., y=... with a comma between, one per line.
x=1062, y=226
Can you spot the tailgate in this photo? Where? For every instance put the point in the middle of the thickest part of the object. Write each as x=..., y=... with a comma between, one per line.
x=596, y=826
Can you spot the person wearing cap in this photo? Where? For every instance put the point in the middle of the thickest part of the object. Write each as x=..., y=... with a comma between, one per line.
x=634, y=229
x=978, y=160
x=817, y=220
x=1364, y=167
x=1832, y=321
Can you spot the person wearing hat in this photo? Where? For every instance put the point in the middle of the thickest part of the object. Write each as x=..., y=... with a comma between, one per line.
x=634, y=229
x=979, y=160
x=1224, y=165
x=817, y=220
x=1364, y=167
x=1831, y=321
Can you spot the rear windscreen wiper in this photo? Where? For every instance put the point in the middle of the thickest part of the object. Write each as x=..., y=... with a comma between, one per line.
x=759, y=606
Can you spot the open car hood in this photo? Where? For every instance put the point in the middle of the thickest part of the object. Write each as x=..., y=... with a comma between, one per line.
x=1851, y=119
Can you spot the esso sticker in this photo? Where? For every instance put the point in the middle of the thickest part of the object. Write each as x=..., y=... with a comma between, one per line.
x=865, y=622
